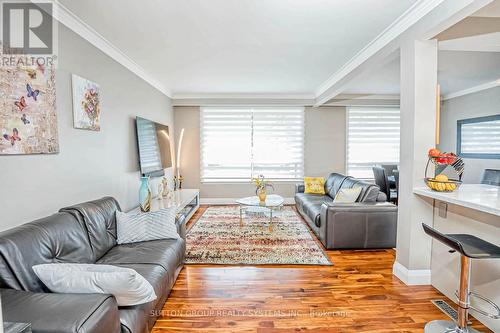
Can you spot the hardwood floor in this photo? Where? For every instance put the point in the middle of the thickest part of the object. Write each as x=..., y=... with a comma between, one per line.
x=357, y=294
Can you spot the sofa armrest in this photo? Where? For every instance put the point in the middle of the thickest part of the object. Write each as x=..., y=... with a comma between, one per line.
x=180, y=222
x=360, y=225
x=299, y=188
x=58, y=313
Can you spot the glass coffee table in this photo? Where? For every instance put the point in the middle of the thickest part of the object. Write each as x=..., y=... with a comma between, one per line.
x=273, y=203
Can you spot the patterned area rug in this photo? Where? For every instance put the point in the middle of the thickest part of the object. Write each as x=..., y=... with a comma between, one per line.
x=218, y=237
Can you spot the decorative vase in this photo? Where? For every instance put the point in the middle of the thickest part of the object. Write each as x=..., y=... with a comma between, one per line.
x=262, y=194
x=145, y=195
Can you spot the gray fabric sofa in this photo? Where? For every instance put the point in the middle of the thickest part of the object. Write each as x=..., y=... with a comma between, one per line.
x=370, y=222
x=84, y=233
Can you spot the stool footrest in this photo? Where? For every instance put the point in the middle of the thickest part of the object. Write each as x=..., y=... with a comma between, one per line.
x=484, y=299
x=490, y=302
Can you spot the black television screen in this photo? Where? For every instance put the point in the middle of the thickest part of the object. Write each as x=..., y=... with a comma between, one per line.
x=153, y=142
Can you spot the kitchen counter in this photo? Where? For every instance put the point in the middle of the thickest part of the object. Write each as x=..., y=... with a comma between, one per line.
x=472, y=209
x=484, y=198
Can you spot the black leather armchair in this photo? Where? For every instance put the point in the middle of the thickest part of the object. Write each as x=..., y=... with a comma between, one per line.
x=371, y=222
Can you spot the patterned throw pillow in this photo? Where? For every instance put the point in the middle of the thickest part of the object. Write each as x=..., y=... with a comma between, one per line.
x=314, y=185
x=137, y=226
x=347, y=195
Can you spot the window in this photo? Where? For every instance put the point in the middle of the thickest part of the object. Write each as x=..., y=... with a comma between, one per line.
x=479, y=137
x=239, y=143
x=372, y=139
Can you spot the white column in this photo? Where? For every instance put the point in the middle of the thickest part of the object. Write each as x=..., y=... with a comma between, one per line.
x=418, y=123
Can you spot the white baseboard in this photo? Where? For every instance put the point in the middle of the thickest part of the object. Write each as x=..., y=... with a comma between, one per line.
x=412, y=277
x=232, y=201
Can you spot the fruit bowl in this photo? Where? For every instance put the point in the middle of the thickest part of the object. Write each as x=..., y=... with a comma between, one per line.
x=441, y=185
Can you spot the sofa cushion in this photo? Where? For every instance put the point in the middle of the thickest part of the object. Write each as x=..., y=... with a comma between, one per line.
x=347, y=195
x=167, y=253
x=134, y=319
x=137, y=226
x=140, y=318
x=369, y=191
x=58, y=238
x=61, y=313
x=333, y=184
x=310, y=204
x=98, y=216
x=156, y=275
x=125, y=284
x=314, y=185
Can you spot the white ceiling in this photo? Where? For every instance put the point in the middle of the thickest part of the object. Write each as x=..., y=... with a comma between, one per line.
x=244, y=46
x=469, y=56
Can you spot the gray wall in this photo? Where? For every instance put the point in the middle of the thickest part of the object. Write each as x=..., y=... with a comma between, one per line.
x=90, y=164
x=483, y=103
x=325, y=141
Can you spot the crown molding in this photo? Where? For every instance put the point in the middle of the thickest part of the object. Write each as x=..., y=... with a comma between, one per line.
x=65, y=16
x=472, y=90
x=242, y=96
x=367, y=96
x=242, y=99
x=389, y=100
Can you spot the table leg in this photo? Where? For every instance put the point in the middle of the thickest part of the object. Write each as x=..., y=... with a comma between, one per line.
x=271, y=220
x=241, y=216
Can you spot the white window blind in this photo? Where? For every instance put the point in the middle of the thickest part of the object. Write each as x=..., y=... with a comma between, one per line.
x=480, y=139
x=239, y=143
x=372, y=139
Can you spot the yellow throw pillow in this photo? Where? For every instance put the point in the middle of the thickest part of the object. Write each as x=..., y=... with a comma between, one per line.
x=314, y=185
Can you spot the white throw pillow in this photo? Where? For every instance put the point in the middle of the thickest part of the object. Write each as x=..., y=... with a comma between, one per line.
x=128, y=286
x=137, y=226
x=347, y=195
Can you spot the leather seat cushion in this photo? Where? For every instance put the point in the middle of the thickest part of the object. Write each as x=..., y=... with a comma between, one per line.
x=161, y=281
x=56, y=238
x=61, y=313
x=167, y=253
x=310, y=204
x=141, y=318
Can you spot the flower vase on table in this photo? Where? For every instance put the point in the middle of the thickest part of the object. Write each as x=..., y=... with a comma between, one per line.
x=145, y=195
x=261, y=188
x=262, y=194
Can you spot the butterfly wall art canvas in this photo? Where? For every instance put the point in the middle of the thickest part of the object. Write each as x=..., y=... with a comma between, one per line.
x=86, y=104
x=28, y=120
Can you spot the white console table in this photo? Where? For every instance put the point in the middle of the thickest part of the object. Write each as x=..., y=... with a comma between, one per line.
x=187, y=202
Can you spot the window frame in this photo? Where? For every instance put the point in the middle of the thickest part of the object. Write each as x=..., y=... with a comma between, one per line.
x=346, y=148
x=249, y=180
x=462, y=122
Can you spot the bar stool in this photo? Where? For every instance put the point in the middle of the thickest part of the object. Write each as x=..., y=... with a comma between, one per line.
x=469, y=247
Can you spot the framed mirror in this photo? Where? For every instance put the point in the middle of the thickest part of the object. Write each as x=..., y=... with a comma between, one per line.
x=479, y=137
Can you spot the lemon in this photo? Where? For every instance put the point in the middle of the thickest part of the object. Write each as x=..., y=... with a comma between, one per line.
x=441, y=178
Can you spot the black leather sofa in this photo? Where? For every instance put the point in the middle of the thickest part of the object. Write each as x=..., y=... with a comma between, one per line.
x=371, y=222
x=84, y=233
